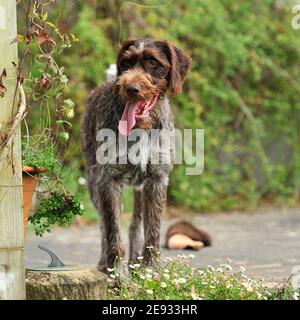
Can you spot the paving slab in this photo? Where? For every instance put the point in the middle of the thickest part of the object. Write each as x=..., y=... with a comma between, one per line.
x=265, y=242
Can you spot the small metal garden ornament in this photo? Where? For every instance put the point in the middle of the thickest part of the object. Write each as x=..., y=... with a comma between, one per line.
x=55, y=265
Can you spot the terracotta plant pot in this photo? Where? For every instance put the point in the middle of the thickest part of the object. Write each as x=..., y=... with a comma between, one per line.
x=30, y=180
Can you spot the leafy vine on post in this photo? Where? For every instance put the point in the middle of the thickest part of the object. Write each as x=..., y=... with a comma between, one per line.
x=43, y=81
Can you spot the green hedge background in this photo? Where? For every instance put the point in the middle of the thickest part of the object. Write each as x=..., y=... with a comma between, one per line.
x=243, y=89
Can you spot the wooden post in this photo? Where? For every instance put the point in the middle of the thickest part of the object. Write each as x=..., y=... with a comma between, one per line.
x=12, y=275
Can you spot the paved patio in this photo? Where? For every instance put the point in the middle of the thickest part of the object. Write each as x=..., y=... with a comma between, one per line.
x=266, y=243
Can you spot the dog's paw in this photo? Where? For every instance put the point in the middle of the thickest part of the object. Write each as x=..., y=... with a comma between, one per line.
x=119, y=274
x=121, y=270
x=102, y=267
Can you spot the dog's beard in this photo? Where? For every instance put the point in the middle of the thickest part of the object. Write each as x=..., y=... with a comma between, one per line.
x=133, y=111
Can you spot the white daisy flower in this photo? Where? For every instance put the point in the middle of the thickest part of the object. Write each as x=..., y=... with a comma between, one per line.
x=248, y=286
x=149, y=270
x=259, y=295
x=149, y=291
x=242, y=269
x=211, y=268
x=296, y=296
x=82, y=181
x=226, y=266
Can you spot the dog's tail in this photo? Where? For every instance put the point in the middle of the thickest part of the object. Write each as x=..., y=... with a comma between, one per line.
x=188, y=229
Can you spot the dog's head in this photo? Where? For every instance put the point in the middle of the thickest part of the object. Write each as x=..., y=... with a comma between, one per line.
x=146, y=69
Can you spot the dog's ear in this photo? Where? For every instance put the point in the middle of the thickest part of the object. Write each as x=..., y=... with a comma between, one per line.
x=124, y=46
x=180, y=63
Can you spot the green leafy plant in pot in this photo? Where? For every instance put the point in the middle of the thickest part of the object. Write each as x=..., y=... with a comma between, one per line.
x=40, y=166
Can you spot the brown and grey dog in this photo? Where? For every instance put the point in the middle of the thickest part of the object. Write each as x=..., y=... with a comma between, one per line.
x=146, y=70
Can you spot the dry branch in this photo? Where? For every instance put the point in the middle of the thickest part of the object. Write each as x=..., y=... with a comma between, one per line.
x=9, y=135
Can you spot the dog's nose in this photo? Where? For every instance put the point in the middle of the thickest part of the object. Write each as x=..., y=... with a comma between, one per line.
x=133, y=89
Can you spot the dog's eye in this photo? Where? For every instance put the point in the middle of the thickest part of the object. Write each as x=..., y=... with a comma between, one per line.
x=125, y=64
x=153, y=63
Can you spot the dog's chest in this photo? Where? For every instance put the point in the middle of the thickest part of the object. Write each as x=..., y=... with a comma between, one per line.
x=136, y=161
x=136, y=151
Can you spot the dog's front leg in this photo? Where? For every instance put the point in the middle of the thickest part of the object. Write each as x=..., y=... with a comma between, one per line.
x=154, y=198
x=102, y=265
x=110, y=202
x=136, y=236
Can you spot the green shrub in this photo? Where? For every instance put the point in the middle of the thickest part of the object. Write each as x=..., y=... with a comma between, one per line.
x=242, y=89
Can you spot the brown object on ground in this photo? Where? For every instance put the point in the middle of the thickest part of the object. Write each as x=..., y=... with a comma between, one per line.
x=85, y=284
x=30, y=180
x=181, y=241
x=184, y=235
